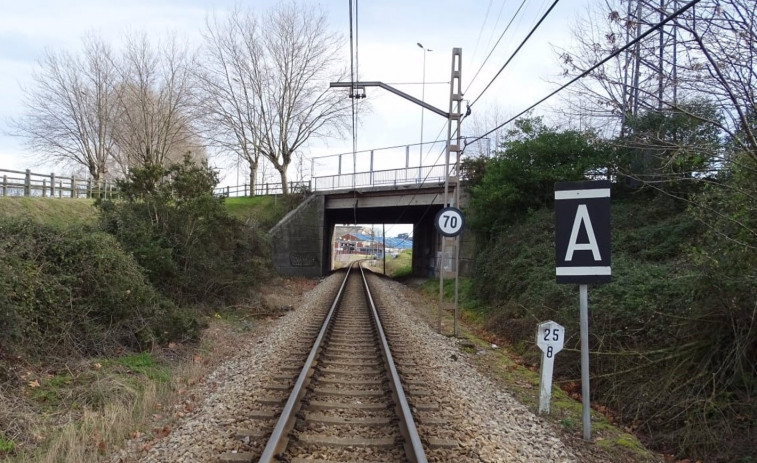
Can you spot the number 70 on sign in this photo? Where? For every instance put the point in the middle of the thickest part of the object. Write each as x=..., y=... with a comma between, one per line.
x=449, y=221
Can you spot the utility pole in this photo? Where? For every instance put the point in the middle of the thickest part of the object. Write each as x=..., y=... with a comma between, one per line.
x=637, y=63
x=453, y=146
x=423, y=98
x=660, y=62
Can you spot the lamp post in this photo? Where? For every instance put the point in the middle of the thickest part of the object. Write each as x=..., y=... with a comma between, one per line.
x=423, y=97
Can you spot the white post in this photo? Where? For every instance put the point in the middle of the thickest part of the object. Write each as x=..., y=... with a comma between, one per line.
x=371, y=170
x=586, y=398
x=550, y=337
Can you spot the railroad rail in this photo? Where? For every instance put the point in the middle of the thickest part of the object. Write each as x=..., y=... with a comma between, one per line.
x=347, y=402
x=353, y=389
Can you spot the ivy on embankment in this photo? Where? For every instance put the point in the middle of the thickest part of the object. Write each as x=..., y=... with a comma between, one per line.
x=673, y=338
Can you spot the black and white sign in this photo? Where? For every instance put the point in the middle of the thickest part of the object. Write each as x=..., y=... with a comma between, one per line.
x=449, y=221
x=550, y=337
x=582, y=232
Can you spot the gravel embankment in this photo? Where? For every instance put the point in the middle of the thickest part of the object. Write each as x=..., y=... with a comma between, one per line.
x=224, y=398
x=486, y=421
x=488, y=424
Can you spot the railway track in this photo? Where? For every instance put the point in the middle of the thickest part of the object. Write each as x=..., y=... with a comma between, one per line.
x=346, y=402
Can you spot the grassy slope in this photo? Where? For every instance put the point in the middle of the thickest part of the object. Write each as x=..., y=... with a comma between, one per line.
x=633, y=321
x=96, y=394
x=266, y=210
x=66, y=212
x=57, y=212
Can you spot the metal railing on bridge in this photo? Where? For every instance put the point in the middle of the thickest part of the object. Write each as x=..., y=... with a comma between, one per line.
x=234, y=191
x=428, y=175
x=388, y=177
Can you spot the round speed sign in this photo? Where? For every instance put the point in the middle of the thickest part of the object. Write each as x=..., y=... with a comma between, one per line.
x=449, y=221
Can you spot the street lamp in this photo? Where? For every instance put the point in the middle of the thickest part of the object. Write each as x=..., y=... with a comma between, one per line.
x=423, y=96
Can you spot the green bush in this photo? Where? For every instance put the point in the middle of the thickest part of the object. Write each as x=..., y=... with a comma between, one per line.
x=76, y=292
x=520, y=178
x=672, y=338
x=192, y=250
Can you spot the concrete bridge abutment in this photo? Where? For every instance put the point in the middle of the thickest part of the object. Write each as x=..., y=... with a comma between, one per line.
x=301, y=241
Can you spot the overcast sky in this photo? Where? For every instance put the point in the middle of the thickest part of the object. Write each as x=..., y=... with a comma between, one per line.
x=388, y=32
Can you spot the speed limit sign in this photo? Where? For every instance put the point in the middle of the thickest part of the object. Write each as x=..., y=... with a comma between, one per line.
x=449, y=221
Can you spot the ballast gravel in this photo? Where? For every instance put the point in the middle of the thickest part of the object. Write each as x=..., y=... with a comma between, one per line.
x=226, y=398
x=488, y=422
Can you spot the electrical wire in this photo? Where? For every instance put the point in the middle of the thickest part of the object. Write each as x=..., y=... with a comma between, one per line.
x=481, y=29
x=588, y=71
x=495, y=46
x=523, y=42
x=352, y=102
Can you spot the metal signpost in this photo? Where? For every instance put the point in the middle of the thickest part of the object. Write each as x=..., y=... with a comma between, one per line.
x=582, y=256
x=550, y=337
x=449, y=222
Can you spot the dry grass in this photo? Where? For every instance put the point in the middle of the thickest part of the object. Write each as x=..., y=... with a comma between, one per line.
x=131, y=406
x=119, y=404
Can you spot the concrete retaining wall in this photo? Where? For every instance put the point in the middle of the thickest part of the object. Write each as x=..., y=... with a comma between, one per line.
x=297, y=240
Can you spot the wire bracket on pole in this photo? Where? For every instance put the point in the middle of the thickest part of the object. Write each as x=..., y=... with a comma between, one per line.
x=389, y=88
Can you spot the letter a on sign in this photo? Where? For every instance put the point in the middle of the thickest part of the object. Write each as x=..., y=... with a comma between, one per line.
x=582, y=232
x=582, y=217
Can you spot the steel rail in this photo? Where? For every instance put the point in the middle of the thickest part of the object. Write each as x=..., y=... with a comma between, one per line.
x=415, y=451
x=276, y=442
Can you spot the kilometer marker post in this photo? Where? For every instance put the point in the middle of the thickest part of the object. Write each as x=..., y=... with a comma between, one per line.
x=582, y=256
x=550, y=337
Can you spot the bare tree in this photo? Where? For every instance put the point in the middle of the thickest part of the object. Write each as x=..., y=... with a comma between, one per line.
x=154, y=123
x=226, y=108
x=637, y=79
x=482, y=122
x=707, y=52
x=721, y=63
x=69, y=109
x=271, y=73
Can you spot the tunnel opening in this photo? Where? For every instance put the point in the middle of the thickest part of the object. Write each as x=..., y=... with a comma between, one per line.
x=416, y=221
x=387, y=248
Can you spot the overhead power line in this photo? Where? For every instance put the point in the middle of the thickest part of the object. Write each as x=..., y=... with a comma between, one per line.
x=593, y=68
x=495, y=45
x=544, y=16
x=352, y=77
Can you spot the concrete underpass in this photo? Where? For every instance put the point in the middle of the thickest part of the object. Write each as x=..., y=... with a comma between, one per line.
x=302, y=240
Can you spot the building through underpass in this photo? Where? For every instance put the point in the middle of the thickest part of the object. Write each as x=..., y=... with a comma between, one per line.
x=388, y=248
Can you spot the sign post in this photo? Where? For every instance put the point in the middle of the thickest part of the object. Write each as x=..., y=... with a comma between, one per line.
x=449, y=222
x=582, y=256
x=550, y=337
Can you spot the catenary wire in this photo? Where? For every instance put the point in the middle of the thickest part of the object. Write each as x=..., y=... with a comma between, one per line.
x=495, y=46
x=481, y=29
x=588, y=71
x=352, y=102
x=523, y=42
